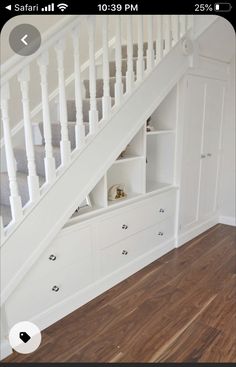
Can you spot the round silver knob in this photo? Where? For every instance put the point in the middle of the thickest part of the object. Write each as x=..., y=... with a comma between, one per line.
x=52, y=257
x=55, y=288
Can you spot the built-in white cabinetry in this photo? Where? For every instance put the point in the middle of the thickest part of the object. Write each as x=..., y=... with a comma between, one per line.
x=108, y=240
x=90, y=257
x=202, y=125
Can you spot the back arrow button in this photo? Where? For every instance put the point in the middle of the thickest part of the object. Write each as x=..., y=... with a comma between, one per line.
x=23, y=39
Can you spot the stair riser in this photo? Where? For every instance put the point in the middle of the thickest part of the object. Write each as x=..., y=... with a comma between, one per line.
x=135, y=50
x=22, y=165
x=99, y=87
x=86, y=108
x=56, y=133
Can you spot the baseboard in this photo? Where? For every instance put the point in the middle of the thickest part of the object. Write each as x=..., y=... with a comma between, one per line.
x=80, y=298
x=230, y=221
x=5, y=349
x=195, y=231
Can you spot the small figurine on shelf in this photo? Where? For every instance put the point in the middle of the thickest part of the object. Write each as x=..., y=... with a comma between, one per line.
x=116, y=192
x=148, y=126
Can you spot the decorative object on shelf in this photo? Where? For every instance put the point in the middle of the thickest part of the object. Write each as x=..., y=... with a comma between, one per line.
x=85, y=203
x=148, y=126
x=116, y=192
x=122, y=154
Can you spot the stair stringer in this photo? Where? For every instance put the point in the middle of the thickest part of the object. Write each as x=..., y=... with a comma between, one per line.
x=58, y=204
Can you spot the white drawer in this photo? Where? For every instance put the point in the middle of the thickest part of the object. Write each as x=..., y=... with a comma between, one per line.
x=67, y=248
x=140, y=217
x=120, y=254
x=34, y=296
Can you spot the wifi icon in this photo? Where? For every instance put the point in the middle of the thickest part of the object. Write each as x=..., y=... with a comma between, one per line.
x=62, y=6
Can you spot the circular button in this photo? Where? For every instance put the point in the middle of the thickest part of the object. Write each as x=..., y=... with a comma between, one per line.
x=25, y=39
x=25, y=337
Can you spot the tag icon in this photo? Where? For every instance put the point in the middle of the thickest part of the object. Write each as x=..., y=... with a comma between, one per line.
x=24, y=336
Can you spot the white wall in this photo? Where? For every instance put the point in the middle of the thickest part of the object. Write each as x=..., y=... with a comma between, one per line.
x=228, y=162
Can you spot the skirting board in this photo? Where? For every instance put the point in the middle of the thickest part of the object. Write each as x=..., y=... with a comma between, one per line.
x=195, y=231
x=230, y=221
x=60, y=310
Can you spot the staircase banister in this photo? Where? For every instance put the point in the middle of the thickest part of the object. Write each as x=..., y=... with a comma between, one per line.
x=16, y=63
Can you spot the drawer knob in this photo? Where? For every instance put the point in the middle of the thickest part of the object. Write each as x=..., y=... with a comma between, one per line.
x=55, y=288
x=160, y=233
x=124, y=252
x=162, y=210
x=124, y=226
x=52, y=257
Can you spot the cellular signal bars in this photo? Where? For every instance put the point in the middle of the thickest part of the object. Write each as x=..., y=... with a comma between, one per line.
x=49, y=7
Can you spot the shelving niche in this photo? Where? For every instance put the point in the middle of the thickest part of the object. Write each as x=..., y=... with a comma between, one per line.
x=145, y=166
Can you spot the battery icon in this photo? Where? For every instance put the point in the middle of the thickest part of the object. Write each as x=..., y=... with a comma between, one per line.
x=223, y=7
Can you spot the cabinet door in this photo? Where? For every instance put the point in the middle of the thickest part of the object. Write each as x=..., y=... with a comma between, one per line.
x=214, y=101
x=191, y=151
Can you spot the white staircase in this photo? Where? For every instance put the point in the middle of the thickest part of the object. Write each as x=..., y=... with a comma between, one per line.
x=44, y=184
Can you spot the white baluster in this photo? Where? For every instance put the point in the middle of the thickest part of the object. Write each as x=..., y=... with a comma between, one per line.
x=175, y=28
x=49, y=160
x=130, y=72
x=33, y=180
x=167, y=27
x=93, y=113
x=183, y=25
x=118, y=84
x=159, y=41
x=106, y=99
x=15, y=199
x=79, y=127
x=64, y=143
x=140, y=68
x=150, y=53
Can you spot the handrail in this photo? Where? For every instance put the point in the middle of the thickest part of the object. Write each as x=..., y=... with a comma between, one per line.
x=49, y=38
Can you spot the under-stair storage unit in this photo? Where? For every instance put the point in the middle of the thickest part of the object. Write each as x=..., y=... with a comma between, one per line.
x=204, y=101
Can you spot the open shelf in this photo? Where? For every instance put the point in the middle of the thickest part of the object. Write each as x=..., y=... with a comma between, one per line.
x=160, y=158
x=130, y=196
x=164, y=117
x=159, y=132
x=127, y=158
x=152, y=186
x=96, y=200
x=131, y=174
x=135, y=148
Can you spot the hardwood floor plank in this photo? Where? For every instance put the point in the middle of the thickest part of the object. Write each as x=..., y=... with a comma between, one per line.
x=190, y=345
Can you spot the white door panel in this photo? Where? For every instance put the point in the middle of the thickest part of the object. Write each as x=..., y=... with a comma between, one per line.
x=193, y=122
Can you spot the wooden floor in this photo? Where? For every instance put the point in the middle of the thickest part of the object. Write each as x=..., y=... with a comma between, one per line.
x=181, y=308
